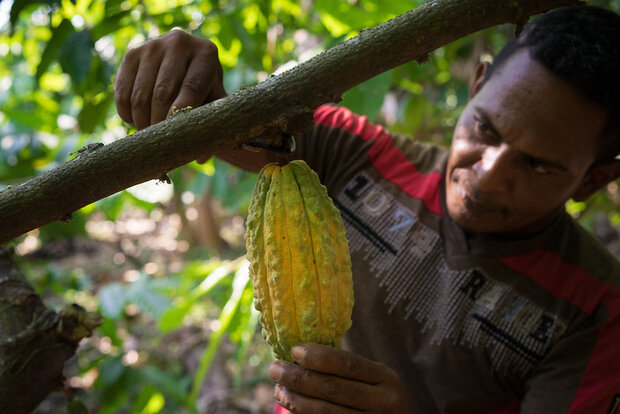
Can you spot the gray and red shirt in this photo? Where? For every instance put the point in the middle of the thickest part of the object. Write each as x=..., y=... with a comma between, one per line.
x=472, y=324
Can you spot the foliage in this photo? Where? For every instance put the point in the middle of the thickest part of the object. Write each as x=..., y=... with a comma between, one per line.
x=168, y=283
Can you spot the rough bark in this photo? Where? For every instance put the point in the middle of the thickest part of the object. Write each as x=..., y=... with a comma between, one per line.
x=283, y=103
x=35, y=342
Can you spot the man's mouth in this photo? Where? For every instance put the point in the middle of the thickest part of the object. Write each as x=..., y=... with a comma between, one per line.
x=477, y=204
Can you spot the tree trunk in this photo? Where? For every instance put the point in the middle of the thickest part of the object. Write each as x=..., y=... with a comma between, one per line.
x=281, y=104
x=35, y=342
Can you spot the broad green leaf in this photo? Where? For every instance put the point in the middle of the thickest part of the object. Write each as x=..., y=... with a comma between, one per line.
x=167, y=382
x=367, y=98
x=76, y=406
x=172, y=318
x=111, y=371
x=143, y=398
x=112, y=300
x=413, y=114
x=59, y=36
x=94, y=113
x=148, y=300
x=19, y=5
x=108, y=328
x=110, y=24
x=32, y=111
x=113, y=7
x=154, y=404
x=76, y=55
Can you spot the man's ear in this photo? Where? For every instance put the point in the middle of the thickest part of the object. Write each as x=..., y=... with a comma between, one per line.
x=478, y=79
x=597, y=178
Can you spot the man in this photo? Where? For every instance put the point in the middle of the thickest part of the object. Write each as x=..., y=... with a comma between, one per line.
x=475, y=291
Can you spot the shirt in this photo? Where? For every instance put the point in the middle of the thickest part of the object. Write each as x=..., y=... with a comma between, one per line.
x=472, y=324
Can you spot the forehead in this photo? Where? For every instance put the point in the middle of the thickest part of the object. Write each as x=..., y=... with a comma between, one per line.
x=536, y=109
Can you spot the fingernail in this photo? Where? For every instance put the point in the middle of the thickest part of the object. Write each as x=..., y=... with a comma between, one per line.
x=275, y=371
x=298, y=352
x=277, y=392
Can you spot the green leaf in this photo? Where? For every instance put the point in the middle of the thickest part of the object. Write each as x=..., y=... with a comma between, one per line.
x=19, y=5
x=113, y=7
x=148, y=300
x=166, y=382
x=111, y=371
x=108, y=328
x=32, y=111
x=367, y=98
x=113, y=205
x=246, y=339
x=172, y=318
x=239, y=284
x=60, y=230
x=76, y=55
x=94, y=113
x=59, y=35
x=110, y=24
x=231, y=185
x=75, y=406
x=112, y=300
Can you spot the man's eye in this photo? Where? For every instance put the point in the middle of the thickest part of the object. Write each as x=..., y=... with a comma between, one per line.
x=481, y=126
x=537, y=166
x=483, y=130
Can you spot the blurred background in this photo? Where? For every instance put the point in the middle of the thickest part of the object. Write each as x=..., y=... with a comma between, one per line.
x=164, y=263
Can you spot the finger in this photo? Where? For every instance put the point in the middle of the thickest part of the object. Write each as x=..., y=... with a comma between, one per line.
x=144, y=83
x=301, y=404
x=218, y=91
x=123, y=85
x=337, y=390
x=208, y=53
x=201, y=84
x=338, y=362
x=169, y=79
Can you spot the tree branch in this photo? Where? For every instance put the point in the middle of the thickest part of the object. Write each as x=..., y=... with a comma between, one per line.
x=283, y=103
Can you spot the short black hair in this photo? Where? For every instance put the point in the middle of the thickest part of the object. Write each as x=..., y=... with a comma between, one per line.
x=581, y=45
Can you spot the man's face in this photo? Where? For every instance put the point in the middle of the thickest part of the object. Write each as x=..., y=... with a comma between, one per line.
x=521, y=148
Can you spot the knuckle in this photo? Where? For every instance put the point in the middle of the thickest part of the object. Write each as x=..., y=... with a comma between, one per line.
x=207, y=52
x=132, y=54
x=140, y=97
x=207, y=47
x=299, y=377
x=176, y=37
x=121, y=92
x=331, y=388
x=194, y=84
x=163, y=93
x=288, y=401
x=353, y=368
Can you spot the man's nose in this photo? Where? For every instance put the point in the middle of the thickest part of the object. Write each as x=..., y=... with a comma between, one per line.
x=494, y=170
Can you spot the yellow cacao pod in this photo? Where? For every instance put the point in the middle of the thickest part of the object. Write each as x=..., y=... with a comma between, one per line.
x=299, y=259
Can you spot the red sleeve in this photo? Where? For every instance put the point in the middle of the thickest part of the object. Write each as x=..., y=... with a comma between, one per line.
x=279, y=410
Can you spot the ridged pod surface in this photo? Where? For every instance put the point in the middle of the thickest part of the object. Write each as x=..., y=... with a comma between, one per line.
x=299, y=259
